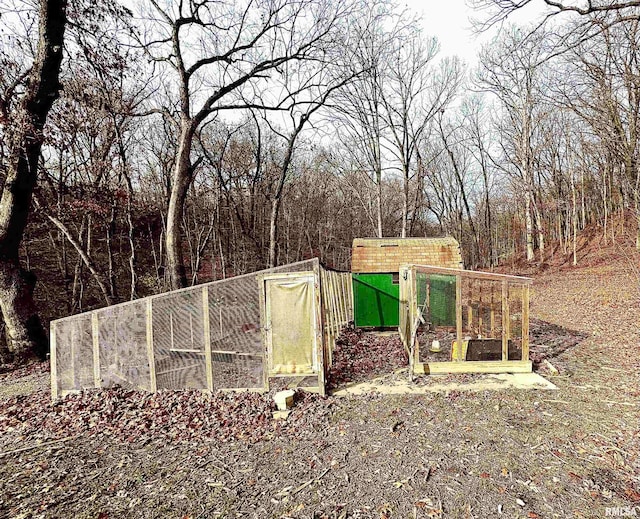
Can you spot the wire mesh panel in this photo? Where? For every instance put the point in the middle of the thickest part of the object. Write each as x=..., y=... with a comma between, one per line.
x=462, y=316
x=207, y=336
x=237, y=349
x=74, y=362
x=122, y=345
x=435, y=323
x=515, y=293
x=236, y=337
x=178, y=340
x=337, y=306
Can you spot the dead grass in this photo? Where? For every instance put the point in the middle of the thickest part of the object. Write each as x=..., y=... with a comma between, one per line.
x=529, y=454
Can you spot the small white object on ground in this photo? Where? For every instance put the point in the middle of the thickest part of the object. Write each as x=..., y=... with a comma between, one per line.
x=284, y=399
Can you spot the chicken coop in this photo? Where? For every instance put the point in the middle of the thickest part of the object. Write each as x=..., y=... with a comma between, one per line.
x=234, y=334
x=375, y=266
x=490, y=330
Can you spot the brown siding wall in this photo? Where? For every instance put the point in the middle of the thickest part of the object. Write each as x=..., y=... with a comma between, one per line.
x=387, y=254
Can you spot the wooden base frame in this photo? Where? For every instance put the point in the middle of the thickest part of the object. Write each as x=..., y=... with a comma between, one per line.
x=470, y=366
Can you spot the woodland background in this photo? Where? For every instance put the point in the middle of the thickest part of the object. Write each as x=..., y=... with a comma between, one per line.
x=196, y=140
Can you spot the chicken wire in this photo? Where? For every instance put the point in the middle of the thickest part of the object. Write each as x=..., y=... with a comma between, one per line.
x=160, y=342
x=488, y=308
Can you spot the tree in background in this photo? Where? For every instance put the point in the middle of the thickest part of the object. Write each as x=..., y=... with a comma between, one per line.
x=29, y=90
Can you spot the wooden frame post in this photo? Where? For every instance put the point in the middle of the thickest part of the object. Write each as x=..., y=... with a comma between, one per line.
x=150, y=354
x=492, y=311
x=525, y=322
x=506, y=332
x=480, y=308
x=470, y=308
x=459, y=316
x=262, y=291
x=206, y=325
x=53, y=366
x=95, y=328
x=318, y=329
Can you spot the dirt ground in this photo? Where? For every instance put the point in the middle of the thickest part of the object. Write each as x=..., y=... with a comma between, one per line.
x=531, y=454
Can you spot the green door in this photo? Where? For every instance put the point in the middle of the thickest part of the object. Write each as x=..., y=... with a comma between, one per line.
x=375, y=300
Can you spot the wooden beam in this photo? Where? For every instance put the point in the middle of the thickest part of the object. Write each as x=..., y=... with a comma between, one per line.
x=472, y=366
x=206, y=325
x=473, y=274
x=505, y=321
x=97, y=380
x=525, y=322
x=150, y=353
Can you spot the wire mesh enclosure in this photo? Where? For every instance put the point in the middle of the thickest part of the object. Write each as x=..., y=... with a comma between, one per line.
x=211, y=336
x=461, y=321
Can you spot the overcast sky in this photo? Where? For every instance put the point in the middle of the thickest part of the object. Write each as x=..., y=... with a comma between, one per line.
x=449, y=21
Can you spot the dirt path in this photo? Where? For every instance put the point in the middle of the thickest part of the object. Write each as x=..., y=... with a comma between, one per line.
x=569, y=453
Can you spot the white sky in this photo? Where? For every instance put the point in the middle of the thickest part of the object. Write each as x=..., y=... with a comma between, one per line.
x=449, y=21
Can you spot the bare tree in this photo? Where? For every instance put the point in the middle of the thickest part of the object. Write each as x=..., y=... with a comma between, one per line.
x=413, y=93
x=511, y=71
x=23, y=118
x=221, y=54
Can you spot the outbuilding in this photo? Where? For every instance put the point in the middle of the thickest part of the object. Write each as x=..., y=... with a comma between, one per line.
x=375, y=266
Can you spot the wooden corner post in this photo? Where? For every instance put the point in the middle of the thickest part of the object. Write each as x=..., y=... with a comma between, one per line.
x=525, y=322
x=206, y=325
x=53, y=366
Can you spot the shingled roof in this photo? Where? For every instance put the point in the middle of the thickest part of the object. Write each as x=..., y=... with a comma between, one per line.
x=374, y=255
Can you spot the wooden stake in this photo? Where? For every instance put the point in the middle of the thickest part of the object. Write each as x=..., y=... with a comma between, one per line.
x=206, y=325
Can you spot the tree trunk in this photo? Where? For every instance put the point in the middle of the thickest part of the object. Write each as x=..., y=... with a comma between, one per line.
x=529, y=224
x=182, y=172
x=379, y=199
x=25, y=333
x=273, y=232
x=405, y=202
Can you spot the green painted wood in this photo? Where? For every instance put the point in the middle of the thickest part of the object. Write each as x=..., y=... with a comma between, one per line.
x=375, y=299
